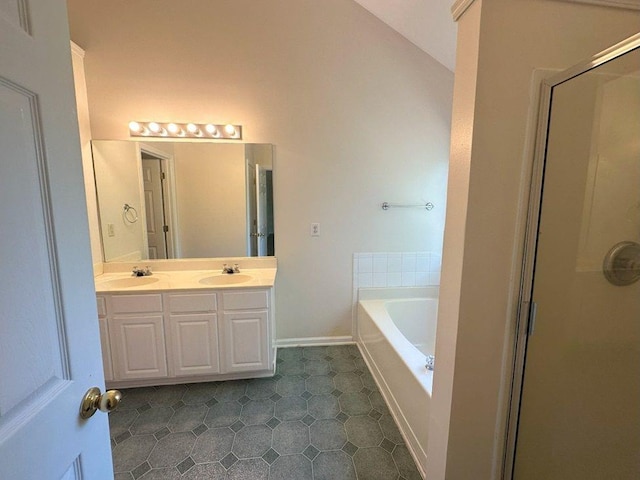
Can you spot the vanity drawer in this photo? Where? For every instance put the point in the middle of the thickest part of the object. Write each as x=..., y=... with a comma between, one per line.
x=193, y=302
x=245, y=300
x=136, y=303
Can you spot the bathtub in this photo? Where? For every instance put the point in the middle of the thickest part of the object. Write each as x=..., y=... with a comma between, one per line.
x=396, y=330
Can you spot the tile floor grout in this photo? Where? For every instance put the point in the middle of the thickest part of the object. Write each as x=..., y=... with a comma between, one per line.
x=321, y=417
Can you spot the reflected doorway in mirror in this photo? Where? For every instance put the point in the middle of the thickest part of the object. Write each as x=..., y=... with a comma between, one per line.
x=196, y=199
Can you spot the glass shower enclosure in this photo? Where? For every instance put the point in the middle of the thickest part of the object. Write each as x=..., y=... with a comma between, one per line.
x=576, y=412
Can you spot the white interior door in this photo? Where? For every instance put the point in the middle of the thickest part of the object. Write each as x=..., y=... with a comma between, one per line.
x=261, y=209
x=252, y=214
x=49, y=340
x=152, y=178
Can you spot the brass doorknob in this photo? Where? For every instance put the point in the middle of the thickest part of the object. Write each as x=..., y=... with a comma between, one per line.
x=93, y=400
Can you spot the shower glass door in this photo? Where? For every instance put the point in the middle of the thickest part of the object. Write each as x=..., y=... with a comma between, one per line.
x=579, y=414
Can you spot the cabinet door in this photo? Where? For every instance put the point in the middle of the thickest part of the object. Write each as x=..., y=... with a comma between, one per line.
x=138, y=347
x=246, y=340
x=106, y=349
x=193, y=344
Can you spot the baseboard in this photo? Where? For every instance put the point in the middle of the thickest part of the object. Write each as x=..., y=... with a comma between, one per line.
x=418, y=454
x=314, y=341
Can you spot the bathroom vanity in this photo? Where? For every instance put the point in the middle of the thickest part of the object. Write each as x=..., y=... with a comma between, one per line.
x=186, y=326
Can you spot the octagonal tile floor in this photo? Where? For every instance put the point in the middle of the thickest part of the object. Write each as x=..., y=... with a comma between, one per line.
x=320, y=417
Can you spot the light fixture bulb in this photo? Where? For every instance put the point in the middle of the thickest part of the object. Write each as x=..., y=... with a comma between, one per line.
x=230, y=129
x=211, y=129
x=135, y=127
x=173, y=128
x=154, y=127
x=193, y=128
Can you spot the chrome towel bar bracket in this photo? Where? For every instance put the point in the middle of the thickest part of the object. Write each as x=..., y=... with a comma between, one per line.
x=426, y=206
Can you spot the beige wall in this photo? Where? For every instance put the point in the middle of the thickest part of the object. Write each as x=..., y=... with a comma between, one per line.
x=118, y=173
x=211, y=200
x=358, y=115
x=490, y=131
x=454, y=237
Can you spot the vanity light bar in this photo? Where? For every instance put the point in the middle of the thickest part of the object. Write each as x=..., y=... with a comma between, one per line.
x=206, y=131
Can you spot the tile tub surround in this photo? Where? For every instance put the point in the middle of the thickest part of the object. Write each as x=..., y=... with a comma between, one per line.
x=320, y=417
x=393, y=269
x=405, y=269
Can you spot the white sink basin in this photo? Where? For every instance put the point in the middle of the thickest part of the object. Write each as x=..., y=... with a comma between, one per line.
x=128, y=282
x=226, y=279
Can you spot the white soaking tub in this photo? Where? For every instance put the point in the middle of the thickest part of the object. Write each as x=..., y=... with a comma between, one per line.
x=396, y=332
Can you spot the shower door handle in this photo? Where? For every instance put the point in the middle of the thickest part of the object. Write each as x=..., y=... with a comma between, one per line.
x=621, y=265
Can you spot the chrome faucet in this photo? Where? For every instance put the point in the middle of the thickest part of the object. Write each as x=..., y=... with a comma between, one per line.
x=431, y=360
x=230, y=270
x=141, y=272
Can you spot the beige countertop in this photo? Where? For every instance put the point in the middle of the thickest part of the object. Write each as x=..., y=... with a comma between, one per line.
x=166, y=280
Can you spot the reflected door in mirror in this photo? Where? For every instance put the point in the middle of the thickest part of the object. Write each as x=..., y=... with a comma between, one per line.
x=194, y=199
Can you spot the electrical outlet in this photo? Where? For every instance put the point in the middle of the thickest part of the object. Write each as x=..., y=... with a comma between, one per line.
x=315, y=229
x=111, y=230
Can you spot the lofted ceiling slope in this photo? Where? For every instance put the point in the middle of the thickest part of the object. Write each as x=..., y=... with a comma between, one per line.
x=426, y=23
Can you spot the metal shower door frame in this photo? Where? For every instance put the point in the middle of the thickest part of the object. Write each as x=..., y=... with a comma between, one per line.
x=525, y=307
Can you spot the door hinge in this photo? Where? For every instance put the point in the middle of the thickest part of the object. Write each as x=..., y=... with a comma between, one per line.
x=533, y=310
x=163, y=176
x=165, y=228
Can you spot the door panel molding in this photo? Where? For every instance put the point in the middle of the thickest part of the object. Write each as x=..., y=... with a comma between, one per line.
x=17, y=16
x=28, y=138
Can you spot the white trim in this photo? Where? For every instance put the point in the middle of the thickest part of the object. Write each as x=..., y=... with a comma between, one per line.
x=529, y=178
x=247, y=202
x=169, y=188
x=314, y=341
x=459, y=7
x=77, y=49
x=605, y=56
x=142, y=215
x=153, y=150
x=628, y=4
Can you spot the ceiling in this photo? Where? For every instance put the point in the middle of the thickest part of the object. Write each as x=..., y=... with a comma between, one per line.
x=426, y=23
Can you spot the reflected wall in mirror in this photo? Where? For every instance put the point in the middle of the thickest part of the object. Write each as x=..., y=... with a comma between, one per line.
x=184, y=199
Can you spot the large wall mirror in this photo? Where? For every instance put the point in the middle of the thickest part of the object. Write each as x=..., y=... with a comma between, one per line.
x=160, y=200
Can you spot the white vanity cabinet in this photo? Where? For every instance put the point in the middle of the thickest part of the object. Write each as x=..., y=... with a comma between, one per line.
x=192, y=334
x=186, y=336
x=246, y=324
x=104, y=339
x=136, y=335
